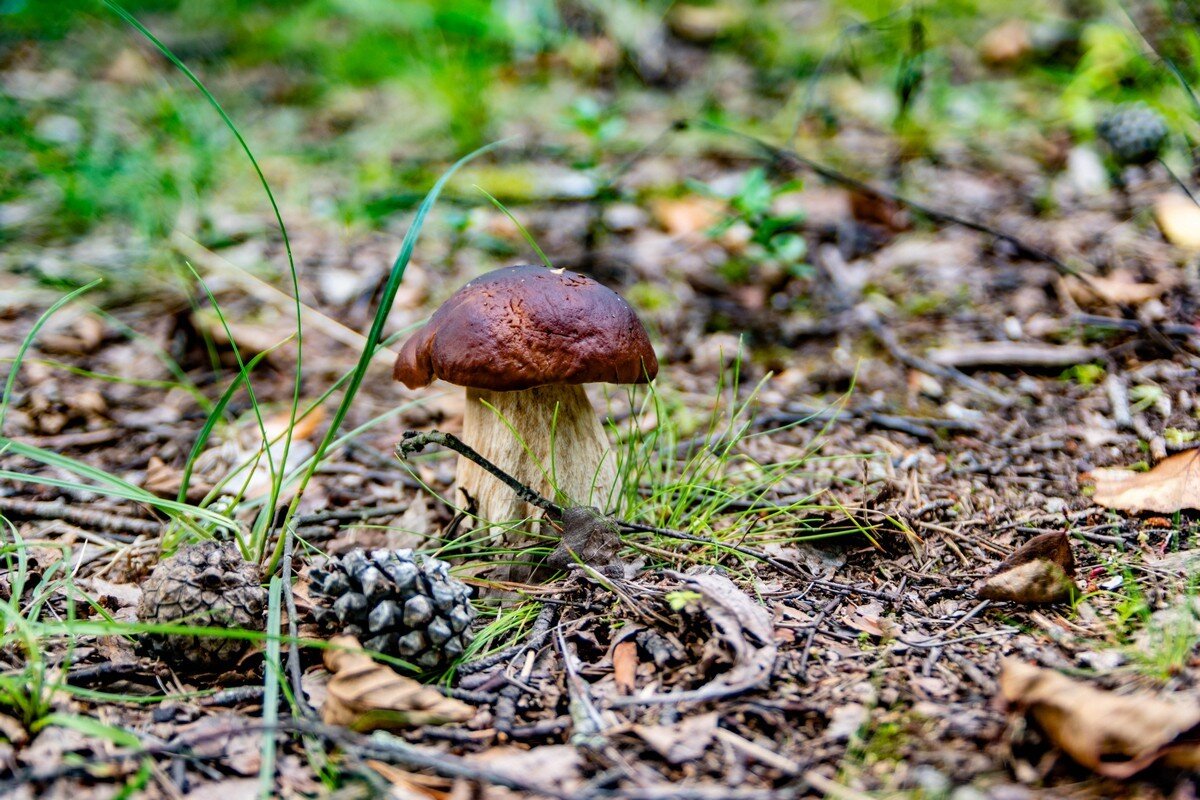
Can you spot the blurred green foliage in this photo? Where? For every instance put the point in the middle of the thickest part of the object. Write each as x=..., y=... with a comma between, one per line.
x=353, y=104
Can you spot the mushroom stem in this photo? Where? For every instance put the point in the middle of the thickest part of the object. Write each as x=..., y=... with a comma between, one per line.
x=549, y=438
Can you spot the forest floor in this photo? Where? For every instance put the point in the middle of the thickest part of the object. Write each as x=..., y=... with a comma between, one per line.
x=863, y=410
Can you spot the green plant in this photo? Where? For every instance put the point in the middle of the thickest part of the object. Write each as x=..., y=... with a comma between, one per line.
x=773, y=236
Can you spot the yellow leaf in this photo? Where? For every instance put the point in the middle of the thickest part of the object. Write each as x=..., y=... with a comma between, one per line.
x=1179, y=219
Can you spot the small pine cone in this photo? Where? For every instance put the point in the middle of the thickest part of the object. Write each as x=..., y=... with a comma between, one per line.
x=1134, y=132
x=396, y=602
x=206, y=585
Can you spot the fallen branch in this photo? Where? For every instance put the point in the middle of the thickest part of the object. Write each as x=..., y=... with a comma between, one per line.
x=83, y=517
x=385, y=748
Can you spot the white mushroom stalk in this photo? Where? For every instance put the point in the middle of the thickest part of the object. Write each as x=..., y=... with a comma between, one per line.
x=549, y=438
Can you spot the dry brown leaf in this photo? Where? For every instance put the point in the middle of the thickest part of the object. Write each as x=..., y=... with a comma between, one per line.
x=1120, y=287
x=1179, y=219
x=276, y=425
x=1114, y=735
x=1007, y=44
x=682, y=742
x=687, y=216
x=743, y=625
x=164, y=480
x=1040, y=571
x=870, y=619
x=558, y=767
x=224, y=736
x=364, y=695
x=625, y=664
x=411, y=785
x=1173, y=485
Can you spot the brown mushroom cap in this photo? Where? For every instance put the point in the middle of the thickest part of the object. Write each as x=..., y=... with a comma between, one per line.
x=521, y=327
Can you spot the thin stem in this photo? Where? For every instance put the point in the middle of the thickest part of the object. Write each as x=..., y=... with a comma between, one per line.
x=414, y=442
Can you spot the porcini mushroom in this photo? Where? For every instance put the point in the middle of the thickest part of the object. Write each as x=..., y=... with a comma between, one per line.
x=522, y=341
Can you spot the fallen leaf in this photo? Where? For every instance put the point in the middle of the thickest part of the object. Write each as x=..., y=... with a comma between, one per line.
x=364, y=695
x=1113, y=735
x=1007, y=44
x=686, y=216
x=223, y=736
x=625, y=664
x=743, y=625
x=411, y=785
x=119, y=598
x=874, y=209
x=870, y=620
x=164, y=480
x=682, y=742
x=588, y=537
x=1040, y=571
x=245, y=445
x=1179, y=219
x=1120, y=287
x=558, y=767
x=1173, y=485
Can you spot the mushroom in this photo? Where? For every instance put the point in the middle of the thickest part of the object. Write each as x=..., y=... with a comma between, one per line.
x=523, y=340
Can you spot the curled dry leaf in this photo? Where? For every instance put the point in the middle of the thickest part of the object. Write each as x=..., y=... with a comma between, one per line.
x=1173, y=485
x=1114, y=735
x=1179, y=219
x=743, y=625
x=365, y=696
x=1040, y=571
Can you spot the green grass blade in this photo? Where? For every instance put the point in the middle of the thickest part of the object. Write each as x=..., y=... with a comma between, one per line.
x=524, y=232
x=102, y=481
x=376, y=333
x=287, y=244
x=273, y=675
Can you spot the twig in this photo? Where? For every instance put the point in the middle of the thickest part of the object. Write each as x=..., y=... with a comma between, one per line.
x=888, y=340
x=107, y=674
x=829, y=608
x=380, y=747
x=349, y=515
x=921, y=428
x=414, y=442
x=537, y=638
x=61, y=441
x=1166, y=329
x=83, y=517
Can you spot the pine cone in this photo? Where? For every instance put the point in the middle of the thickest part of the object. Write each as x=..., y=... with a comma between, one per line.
x=206, y=585
x=1134, y=132
x=395, y=602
